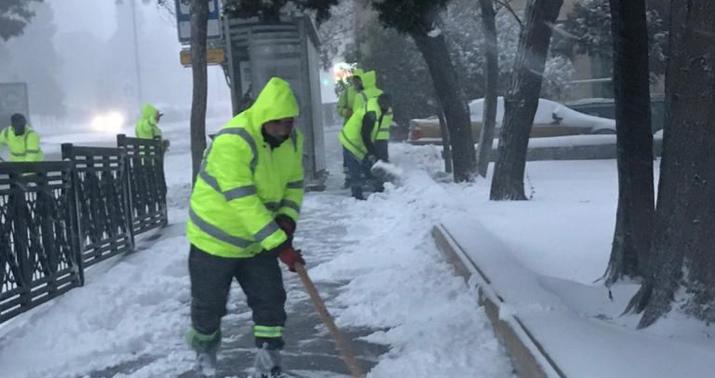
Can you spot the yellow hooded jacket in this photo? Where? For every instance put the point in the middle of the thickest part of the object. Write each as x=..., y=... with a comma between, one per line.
x=24, y=147
x=244, y=183
x=146, y=127
x=370, y=90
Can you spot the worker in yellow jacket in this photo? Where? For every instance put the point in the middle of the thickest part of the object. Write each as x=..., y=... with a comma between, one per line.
x=384, y=122
x=147, y=125
x=244, y=209
x=345, y=109
x=347, y=97
x=22, y=141
x=359, y=138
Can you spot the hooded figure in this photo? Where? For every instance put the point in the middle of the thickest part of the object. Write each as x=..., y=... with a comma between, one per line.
x=244, y=209
x=21, y=140
x=370, y=90
x=146, y=127
x=347, y=97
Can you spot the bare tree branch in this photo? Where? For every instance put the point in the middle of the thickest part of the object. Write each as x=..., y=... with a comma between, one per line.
x=506, y=4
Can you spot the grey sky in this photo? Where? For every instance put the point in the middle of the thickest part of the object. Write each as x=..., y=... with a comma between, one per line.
x=95, y=55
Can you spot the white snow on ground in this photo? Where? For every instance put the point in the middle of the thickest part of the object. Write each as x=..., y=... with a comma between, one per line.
x=128, y=307
x=397, y=282
x=400, y=282
x=547, y=255
x=136, y=307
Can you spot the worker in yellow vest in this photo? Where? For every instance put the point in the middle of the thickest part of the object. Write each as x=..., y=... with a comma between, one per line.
x=382, y=107
x=243, y=213
x=347, y=97
x=147, y=126
x=358, y=138
x=22, y=141
x=384, y=123
x=345, y=109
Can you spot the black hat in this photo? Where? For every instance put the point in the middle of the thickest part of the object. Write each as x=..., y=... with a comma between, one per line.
x=18, y=120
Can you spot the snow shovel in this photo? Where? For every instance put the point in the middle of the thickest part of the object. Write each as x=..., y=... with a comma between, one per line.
x=346, y=352
x=387, y=172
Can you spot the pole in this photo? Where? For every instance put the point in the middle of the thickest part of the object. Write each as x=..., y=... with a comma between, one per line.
x=137, y=67
x=344, y=347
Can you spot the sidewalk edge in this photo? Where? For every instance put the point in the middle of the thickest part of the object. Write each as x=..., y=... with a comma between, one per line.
x=526, y=353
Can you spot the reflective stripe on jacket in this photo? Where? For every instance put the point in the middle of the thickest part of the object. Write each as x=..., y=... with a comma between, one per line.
x=243, y=183
x=384, y=125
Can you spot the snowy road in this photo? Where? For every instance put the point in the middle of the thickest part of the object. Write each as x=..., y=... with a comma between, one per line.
x=374, y=261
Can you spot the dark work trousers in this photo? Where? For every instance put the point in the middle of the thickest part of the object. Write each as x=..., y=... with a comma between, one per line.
x=260, y=278
x=346, y=170
x=355, y=173
x=381, y=150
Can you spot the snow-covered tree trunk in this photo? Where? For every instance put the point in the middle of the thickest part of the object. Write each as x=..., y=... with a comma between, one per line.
x=636, y=208
x=522, y=100
x=491, y=77
x=434, y=50
x=199, y=21
x=684, y=238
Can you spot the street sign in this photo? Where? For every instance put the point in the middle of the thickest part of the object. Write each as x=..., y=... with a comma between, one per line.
x=214, y=55
x=183, y=20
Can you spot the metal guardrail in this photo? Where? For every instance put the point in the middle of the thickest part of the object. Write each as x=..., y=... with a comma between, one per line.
x=147, y=184
x=39, y=243
x=57, y=218
x=101, y=182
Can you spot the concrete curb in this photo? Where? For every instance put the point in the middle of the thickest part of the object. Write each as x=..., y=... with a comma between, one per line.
x=528, y=356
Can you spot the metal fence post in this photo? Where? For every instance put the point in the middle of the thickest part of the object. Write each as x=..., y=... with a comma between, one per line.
x=127, y=191
x=19, y=214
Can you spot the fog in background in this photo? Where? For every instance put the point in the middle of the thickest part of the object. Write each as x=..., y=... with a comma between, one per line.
x=77, y=57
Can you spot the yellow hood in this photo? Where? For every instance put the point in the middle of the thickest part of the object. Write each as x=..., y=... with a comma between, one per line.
x=369, y=83
x=276, y=101
x=149, y=112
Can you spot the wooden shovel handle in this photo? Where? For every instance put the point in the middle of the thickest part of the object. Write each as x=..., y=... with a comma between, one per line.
x=343, y=345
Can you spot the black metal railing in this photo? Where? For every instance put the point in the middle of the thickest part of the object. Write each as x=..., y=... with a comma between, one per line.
x=101, y=184
x=147, y=184
x=57, y=218
x=39, y=244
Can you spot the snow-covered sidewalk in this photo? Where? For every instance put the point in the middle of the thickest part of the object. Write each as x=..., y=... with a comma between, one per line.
x=374, y=262
x=542, y=260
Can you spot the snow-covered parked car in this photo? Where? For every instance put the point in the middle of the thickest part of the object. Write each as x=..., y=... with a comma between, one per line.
x=551, y=119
